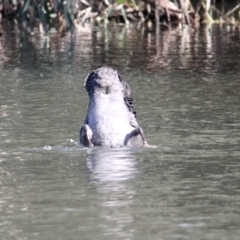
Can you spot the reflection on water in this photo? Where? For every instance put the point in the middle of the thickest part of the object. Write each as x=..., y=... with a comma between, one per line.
x=111, y=165
x=186, y=85
x=200, y=49
x=111, y=170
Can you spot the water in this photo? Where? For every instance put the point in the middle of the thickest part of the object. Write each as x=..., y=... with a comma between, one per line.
x=186, y=85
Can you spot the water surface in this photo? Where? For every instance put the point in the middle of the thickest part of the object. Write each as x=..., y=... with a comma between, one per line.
x=186, y=85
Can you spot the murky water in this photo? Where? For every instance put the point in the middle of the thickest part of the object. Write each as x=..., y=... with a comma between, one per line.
x=186, y=84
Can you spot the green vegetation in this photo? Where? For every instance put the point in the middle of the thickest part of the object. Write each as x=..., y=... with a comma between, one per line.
x=63, y=15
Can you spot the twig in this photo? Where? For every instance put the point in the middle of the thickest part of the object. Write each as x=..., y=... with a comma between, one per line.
x=232, y=10
x=220, y=14
x=156, y=13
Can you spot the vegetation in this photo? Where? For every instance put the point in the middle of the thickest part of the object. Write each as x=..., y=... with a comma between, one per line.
x=63, y=15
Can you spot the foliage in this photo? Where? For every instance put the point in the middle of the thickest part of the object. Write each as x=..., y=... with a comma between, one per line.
x=65, y=14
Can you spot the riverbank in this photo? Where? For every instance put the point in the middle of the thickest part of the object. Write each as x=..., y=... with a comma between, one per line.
x=65, y=15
